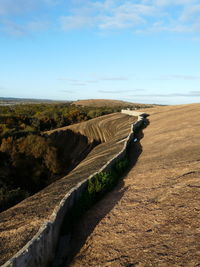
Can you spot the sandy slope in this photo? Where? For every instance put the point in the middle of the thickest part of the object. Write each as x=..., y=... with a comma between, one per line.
x=152, y=218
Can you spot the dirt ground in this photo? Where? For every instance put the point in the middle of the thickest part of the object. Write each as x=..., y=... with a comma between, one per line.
x=152, y=218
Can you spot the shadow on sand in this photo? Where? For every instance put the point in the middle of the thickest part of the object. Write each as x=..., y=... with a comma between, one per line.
x=87, y=223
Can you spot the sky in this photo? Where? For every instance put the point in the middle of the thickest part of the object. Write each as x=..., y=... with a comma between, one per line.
x=144, y=51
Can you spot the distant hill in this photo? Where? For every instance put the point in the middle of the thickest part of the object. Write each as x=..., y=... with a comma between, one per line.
x=108, y=103
x=15, y=101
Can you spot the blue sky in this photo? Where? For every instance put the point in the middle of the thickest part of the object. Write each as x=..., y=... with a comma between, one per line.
x=145, y=51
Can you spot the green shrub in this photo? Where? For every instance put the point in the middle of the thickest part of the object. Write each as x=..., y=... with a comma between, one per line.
x=99, y=184
x=121, y=165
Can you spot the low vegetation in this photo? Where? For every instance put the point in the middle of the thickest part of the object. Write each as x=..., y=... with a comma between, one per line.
x=98, y=185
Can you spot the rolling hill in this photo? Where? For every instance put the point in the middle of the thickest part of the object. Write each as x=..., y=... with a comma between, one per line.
x=108, y=103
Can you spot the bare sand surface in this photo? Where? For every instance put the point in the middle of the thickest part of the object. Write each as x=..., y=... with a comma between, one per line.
x=152, y=218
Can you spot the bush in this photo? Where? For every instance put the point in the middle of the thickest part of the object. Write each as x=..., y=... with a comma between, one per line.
x=98, y=185
x=8, y=198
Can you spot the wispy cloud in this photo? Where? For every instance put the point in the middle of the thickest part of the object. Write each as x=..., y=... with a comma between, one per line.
x=66, y=91
x=119, y=91
x=180, y=77
x=189, y=94
x=141, y=16
x=68, y=79
x=106, y=15
x=23, y=17
x=172, y=77
x=38, y=25
x=195, y=93
x=19, y=7
x=112, y=78
x=97, y=79
x=178, y=16
x=78, y=84
x=18, y=29
x=13, y=28
x=92, y=81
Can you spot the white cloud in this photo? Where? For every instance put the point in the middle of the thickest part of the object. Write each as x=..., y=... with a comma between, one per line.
x=195, y=93
x=10, y=7
x=190, y=12
x=178, y=16
x=13, y=28
x=20, y=17
x=180, y=77
x=19, y=30
x=173, y=2
x=119, y=91
x=142, y=16
x=97, y=79
x=189, y=94
x=14, y=7
x=163, y=96
x=106, y=15
x=67, y=91
x=78, y=84
x=37, y=25
x=75, y=22
x=112, y=78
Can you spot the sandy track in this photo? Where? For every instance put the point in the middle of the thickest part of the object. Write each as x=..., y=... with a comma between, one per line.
x=152, y=217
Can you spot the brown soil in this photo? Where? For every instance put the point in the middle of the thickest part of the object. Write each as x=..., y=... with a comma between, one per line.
x=106, y=102
x=152, y=217
x=21, y=222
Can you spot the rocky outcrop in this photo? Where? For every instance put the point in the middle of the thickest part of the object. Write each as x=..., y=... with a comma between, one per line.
x=32, y=226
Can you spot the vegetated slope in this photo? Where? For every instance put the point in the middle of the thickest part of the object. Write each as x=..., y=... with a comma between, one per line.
x=153, y=218
x=108, y=103
x=21, y=222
